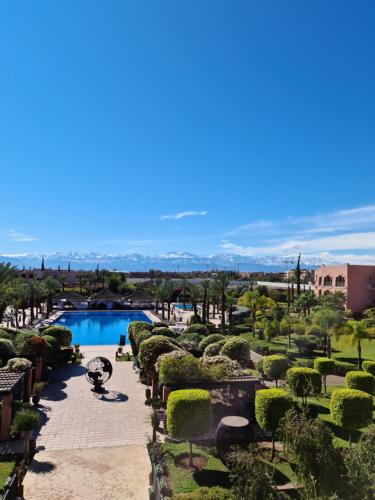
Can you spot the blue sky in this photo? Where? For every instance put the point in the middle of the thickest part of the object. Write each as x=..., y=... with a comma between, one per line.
x=197, y=126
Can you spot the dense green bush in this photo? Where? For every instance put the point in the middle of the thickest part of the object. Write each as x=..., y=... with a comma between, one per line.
x=362, y=381
x=206, y=493
x=306, y=345
x=52, y=348
x=139, y=336
x=188, y=413
x=150, y=350
x=369, y=366
x=165, y=331
x=6, y=350
x=275, y=366
x=214, y=349
x=304, y=382
x=237, y=349
x=197, y=328
x=23, y=343
x=62, y=335
x=210, y=339
x=137, y=326
x=259, y=366
x=325, y=366
x=18, y=365
x=12, y=331
x=221, y=367
x=177, y=354
x=190, y=341
x=274, y=349
x=350, y=408
x=195, y=319
x=176, y=370
x=270, y=407
x=7, y=335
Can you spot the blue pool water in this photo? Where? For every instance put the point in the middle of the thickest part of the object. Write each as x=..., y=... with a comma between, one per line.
x=188, y=307
x=99, y=328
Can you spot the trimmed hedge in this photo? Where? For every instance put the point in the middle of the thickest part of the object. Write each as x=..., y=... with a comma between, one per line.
x=137, y=326
x=6, y=350
x=188, y=413
x=190, y=341
x=325, y=366
x=22, y=343
x=197, y=328
x=211, y=339
x=177, y=370
x=369, y=366
x=274, y=366
x=362, y=381
x=220, y=366
x=214, y=349
x=304, y=381
x=164, y=330
x=139, y=337
x=62, y=335
x=237, y=349
x=350, y=408
x=151, y=349
x=270, y=407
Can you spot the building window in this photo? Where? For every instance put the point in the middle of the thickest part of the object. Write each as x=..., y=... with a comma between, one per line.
x=327, y=281
x=320, y=280
x=340, y=281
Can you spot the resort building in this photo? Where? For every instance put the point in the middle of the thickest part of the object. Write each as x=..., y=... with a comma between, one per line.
x=355, y=281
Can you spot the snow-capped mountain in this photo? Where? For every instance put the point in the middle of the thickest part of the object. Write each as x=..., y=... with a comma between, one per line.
x=172, y=261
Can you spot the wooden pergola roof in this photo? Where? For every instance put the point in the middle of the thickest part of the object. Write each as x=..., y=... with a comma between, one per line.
x=9, y=380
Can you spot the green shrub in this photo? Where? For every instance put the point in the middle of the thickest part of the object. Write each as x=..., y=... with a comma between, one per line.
x=221, y=367
x=210, y=339
x=12, y=331
x=7, y=335
x=214, y=349
x=150, y=350
x=188, y=413
x=325, y=366
x=351, y=409
x=306, y=345
x=177, y=354
x=52, y=348
x=237, y=349
x=177, y=370
x=137, y=326
x=275, y=366
x=165, y=331
x=343, y=367
x=23, y=344
x=190, y=341
x=270, y=407
x=6, y=350
x=139, y=336
x=305, y=363
x=304, y=382
x=273, y=349
x=18, y=365
x=62, y=335
x=197, y=328
x=195, y=319
x=206, y=493
x=259, y=366
x=362, y=381
x=369, y=366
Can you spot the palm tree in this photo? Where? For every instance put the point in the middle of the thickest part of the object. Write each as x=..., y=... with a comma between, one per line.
x=156, y=290
x=358, y=331
x=168, y=291
x=25, y=422
x=331, y=322
x=230, y=301
x=195, y=295
x=52, y=286
x=7, y=275
x=205, y=313
x=222, y=280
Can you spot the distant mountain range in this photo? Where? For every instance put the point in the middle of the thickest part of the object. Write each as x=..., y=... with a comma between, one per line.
x=172, y=261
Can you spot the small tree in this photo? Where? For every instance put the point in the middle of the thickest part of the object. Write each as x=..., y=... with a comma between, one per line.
x=362, y=381
x=324, y=366
x=304, y=382
x=270, y=407
x=25, y=422
x=275, y=366
x=189, y=415
x=351, y=409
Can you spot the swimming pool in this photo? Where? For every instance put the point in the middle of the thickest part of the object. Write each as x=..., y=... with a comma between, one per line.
x=188, y=307
x=99, y=328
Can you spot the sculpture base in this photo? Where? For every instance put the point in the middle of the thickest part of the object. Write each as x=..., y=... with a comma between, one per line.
x=99, y=389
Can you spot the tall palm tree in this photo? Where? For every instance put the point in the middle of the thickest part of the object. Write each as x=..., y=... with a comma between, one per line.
x=222, y=280
x=195, y=295
x=357, y=332
x=168, y=291
x=205, y=288
x=52, y=287
x=156, y=290
x=7, y=275
x=230, y=301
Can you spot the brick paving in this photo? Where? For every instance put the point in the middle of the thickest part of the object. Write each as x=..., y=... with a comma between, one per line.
x=77, y=421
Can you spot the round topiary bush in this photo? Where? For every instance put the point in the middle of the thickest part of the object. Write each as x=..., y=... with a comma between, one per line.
x=52, y=348
x=214, y=349
x=165, y=331
x=150, y=350
x=351, y=409
x=18, y=365
x=362, y=381
x=275, y=366
x=369, y=366
x=137, y=326
x=7, y=350
x=189, y=415
x=23, y=343
x=195, y=319
x=270, y=407
x=237, y=349
x=221, y=367
x=7, y=335
x=172, y=354
x=190, y=342
x=210, y=339
x=181, y=369
x=62, y=335
x=325, y=366
x=304, y=382
x=197, y=328
x=139, y=337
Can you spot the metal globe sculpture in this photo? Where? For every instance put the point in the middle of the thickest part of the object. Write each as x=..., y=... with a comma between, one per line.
x=98, y=372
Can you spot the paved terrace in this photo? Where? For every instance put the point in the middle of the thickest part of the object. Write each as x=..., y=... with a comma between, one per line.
x=93, y=446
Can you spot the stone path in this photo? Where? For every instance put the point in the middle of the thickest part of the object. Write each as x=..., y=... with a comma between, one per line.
x=93, y=446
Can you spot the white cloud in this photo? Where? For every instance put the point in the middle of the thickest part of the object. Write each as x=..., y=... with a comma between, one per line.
x=19, y=236
x=181, y=215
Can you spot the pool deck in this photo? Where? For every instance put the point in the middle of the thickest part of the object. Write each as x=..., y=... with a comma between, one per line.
x=92, y=446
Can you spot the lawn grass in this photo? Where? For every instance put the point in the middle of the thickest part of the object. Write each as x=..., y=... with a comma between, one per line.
x=6, y=468
x=344, y=351
x=184, y=480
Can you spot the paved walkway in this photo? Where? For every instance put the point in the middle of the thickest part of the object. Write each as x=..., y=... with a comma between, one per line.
x=93, y=446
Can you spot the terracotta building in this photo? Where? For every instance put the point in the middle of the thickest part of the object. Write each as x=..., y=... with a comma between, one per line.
x=355, y=281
